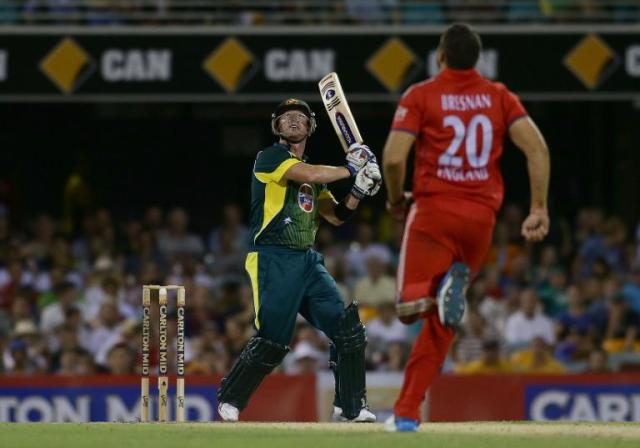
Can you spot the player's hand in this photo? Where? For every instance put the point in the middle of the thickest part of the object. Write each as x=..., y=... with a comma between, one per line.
x=367, y=182
x=372, y=172
x=357, y=157
x=536, y=226
x=398, y=208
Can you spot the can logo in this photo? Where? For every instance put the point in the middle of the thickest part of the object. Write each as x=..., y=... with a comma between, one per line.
x=305, y=198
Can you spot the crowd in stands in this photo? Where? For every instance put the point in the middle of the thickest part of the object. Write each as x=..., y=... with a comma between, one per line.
x=70, y=302
x=286, y=12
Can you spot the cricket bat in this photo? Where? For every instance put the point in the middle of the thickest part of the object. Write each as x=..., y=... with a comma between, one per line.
x=338, y=110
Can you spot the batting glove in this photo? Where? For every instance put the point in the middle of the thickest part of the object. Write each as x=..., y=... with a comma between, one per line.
x=367, y=182
x=357, y=157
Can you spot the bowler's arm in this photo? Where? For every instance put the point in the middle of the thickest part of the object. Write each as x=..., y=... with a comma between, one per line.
x=527, y=137
x=394, y=163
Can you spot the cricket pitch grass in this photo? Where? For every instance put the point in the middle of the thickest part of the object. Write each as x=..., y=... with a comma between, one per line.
x=318, y=435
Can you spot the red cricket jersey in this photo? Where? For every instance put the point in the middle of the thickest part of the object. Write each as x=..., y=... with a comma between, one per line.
x=459, y=119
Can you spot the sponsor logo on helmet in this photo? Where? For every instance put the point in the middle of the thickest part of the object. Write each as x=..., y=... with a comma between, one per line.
x=305, y=198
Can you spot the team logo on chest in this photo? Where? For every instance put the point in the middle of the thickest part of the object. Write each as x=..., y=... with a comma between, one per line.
x=305, y=198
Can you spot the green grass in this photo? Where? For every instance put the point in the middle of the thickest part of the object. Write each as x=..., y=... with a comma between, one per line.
x=318, y=435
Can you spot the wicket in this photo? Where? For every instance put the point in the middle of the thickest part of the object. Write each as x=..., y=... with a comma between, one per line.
x=163, y=344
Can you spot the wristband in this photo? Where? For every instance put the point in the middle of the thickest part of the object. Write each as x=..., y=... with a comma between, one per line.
x=352, y=170
x=343, y=212
x=357, y=193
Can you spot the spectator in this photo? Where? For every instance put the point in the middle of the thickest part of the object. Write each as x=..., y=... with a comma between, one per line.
x=592, y=293
x=335, y=267
x=54, y=314
x=538, y=359
x=631, y=290
x=607, y=248
x=85, y=363
x=528, y=322
x=490, y=362
x=471, y=337
x=106, y=288
x=371, y=11
x=20, y=363
x=106, y=331
x=75, y=281
x=503, y=251
x=362, y=248
x=235, y=232
x=66, y=340
x=386, y=328
x=598, y=362
x=68, y=364
x=209, y=362
x=13, y=278
x=51, y=11
x=575, y=319
x=120, y=360
x=177, y=242
x=238, y=333
x=552, y=292
x=622, y=328
x=306, y=359
x=547, y=262
x=21, y=309
x=375, y=288
x=229, y=257
x=397, y=356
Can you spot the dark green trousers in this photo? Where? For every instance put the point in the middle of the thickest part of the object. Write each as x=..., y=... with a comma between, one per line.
x=286, y=282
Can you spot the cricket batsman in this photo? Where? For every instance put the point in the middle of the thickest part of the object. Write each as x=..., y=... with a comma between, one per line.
x=288, y=197
x=457, y=121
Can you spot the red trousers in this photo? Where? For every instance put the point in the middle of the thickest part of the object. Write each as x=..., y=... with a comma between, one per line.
x=437, y=233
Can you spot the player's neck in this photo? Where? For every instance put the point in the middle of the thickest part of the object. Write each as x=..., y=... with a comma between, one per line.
x=296, y=148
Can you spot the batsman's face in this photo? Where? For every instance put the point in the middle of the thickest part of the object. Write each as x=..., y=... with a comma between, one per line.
x=293, y=125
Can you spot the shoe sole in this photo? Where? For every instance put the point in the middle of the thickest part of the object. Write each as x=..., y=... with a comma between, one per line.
x=341, y=419
x=452, y=291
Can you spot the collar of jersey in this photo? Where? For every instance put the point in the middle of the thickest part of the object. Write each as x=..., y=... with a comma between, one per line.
x=303, y=159
x=449, y=73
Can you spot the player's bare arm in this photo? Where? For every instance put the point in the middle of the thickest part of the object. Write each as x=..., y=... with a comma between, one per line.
x=527, y=137
x=317, y=174
x=394, y=164
x=327, y=208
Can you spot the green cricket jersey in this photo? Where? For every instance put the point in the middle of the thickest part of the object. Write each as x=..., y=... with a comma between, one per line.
x=283, y=212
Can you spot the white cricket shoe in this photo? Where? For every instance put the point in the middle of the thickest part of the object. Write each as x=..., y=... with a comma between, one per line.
x=365, y=416
x=228, y=412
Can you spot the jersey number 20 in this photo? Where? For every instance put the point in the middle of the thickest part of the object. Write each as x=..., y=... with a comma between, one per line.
x=468, y=134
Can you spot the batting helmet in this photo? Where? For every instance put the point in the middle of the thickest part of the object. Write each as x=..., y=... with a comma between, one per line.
x=293, y=104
